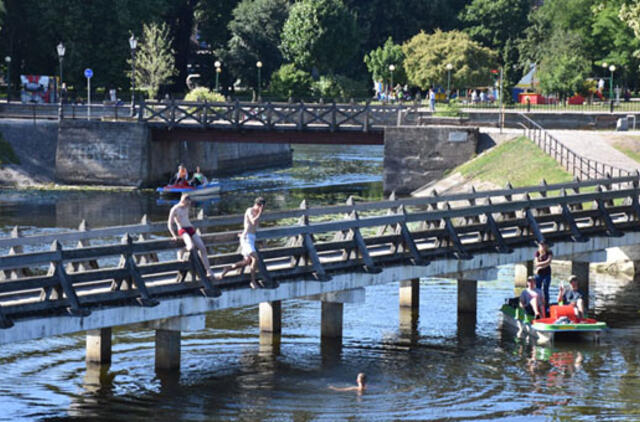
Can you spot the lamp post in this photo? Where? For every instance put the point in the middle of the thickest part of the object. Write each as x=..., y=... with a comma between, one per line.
x=449, y=67
x=612, y=68
x=8, y=62
x=392, y=67
x=217, y=65
x=61, y=51
x=133, y=43
x=259, y=66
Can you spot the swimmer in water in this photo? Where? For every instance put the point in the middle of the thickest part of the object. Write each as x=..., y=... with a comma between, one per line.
x=361, y=382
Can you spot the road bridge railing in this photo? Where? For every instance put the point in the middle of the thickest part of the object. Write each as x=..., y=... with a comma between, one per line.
x=320, y=250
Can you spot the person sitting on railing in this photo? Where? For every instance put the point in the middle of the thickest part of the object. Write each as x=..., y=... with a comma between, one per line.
x=532, y=300
x=572, y=297
x=181, y=176
x=198, y=178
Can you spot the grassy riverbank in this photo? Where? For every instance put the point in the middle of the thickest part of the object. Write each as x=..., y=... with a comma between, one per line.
x=628, y=145
x=519, y=162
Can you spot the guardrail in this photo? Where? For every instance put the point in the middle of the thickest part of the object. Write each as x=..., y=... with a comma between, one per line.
x=313, y=249
x=573, y=162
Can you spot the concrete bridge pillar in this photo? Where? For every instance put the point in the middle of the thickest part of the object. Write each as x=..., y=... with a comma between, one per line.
x=467, y=296
x=581, y=270
x=332, y=307
x=409, y=295
x=99, y=346
x=270, y=319
x=522, y=271
x=168, y=333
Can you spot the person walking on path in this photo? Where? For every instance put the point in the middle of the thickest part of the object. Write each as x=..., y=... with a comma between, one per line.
x=542, y=266
x=432, y=100
x=179, y=215
x=248, y=241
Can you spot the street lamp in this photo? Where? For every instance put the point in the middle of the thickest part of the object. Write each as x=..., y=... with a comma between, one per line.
x=259, y=66
x=133, y=43
x=612, y=68
x=61, y=51
x=217, y=65
x=449, y=67
x=392, y=67
x=8, y=62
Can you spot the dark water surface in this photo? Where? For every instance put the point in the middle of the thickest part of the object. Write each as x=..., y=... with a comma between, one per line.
x=434, y=368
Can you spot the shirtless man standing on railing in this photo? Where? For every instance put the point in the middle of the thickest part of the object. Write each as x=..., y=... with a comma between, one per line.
x=180, y=215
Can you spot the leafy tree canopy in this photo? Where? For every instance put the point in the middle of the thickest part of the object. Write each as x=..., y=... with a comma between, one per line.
x=379, y=60
x=155, y=62
x=320, y=34
x=255, y=36
x=564, y=67
x=427, y=56
x=289, y=82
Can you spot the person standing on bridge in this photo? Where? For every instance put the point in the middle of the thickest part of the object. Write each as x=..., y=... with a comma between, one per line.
x=542, y=264
x=248, y=241
x=179, y=215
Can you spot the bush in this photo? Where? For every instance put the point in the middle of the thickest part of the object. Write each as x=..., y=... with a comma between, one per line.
x=336, y=87
x=202, y=94
x=290, y=82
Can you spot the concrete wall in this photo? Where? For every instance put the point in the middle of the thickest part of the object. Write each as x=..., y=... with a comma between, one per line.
x=214, y=158
x=105, y=153
x=34, y=143
x=414, y=156
x=122, y=153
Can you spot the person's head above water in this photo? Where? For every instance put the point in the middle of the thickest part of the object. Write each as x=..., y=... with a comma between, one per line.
x=361, y=379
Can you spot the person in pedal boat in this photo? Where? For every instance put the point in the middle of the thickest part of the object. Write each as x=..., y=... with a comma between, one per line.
x=181, y=176
x=198, y=178
x=532, y=299
x=572, y=297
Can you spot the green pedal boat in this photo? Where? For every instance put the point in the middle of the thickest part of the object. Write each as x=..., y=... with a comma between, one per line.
x=562, y=322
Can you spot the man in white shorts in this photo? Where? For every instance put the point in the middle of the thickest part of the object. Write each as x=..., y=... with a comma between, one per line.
x=248, y=241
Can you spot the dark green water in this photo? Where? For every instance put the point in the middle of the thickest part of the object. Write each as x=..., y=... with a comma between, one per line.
x=436, y=368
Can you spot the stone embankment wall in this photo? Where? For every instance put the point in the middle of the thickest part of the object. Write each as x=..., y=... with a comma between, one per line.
x=414, y=156
x=34, y=142
x=558, y=120
x=122, y=153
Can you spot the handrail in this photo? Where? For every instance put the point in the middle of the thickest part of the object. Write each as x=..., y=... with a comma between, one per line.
x=566, y=157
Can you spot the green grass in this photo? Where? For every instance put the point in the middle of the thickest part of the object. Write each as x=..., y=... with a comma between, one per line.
x=7, y=154
x=629, y=152
x=518, y=161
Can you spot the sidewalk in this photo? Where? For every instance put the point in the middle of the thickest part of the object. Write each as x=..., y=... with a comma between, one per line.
x=597, y=146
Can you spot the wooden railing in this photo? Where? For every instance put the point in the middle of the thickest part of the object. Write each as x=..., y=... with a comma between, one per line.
x=356, y=242
x=268, y=116
x=573, y=162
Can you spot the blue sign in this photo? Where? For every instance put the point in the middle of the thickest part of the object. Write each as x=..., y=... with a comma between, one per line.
x=88, y=73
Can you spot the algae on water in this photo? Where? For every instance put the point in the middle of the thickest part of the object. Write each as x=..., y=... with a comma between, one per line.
x=7, y=154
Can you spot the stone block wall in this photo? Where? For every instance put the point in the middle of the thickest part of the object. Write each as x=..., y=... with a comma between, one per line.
x=414, y=156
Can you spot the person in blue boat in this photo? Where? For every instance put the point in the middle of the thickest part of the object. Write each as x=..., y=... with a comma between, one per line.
x=198, y=178
x=532, y=300
x=181, y=176
x=542, y=265
x=572, y=297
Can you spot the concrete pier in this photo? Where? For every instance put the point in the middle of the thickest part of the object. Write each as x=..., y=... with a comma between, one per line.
x=168, y=332
x=522, y=271
x=467, y=296
x=99, y=346
x=331, y=320
x=581, y=270
x=270, y=317
x=409, y=294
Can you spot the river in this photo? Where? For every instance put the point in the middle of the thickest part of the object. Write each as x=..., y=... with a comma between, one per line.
x=434, y=368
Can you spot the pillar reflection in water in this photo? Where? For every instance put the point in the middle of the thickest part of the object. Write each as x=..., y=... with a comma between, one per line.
x=408, y=325
x=269, y=344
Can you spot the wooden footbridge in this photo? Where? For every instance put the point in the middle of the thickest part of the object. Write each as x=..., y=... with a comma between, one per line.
x=330, y=248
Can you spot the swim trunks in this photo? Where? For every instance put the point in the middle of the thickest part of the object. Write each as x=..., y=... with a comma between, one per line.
x=248, y=244
x=188, y=230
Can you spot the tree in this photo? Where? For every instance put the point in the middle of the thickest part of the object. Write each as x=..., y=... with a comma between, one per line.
x=255, y=36
x=379, y=60
x=289, y=82
x=427, y=56
x=320, y=34
x=155, y=62
x=564, y=67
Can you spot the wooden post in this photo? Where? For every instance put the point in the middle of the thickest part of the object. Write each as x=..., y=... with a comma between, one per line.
x=99, y=346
